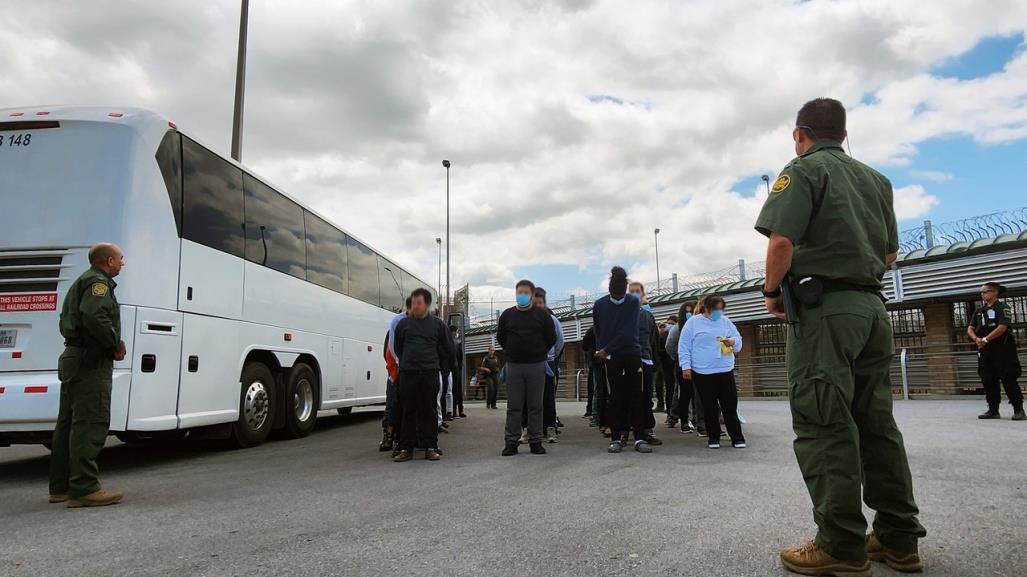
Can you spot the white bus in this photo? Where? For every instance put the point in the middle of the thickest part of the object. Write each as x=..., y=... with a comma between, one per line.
x=242, y=310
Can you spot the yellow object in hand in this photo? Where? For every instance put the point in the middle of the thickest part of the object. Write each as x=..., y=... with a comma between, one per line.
x=724, y=348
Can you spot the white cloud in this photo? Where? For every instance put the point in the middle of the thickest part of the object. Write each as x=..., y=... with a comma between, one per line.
x=351, y=106
x=913, y=202
x=932, y=175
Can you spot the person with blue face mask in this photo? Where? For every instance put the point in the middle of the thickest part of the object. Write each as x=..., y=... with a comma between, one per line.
x=526, y=334
x=688, y=407
x=706, y=353
x=615, y=318
x=648, y=340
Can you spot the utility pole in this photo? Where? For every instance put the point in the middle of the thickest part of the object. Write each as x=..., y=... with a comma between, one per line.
x=240, y=83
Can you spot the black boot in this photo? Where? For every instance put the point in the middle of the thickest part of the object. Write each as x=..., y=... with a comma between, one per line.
x=510, y=450
x=386, y=444
x=537, y=449
x=990, y=414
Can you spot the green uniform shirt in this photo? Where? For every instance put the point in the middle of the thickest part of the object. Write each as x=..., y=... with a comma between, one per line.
x=91, y=313
x=987, y=319
x=837, y=212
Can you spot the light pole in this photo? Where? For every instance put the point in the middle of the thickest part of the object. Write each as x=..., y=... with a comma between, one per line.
x=656, y=237
x=445, y=163
x=240, y=83
x=766, y=180
x=438, y=294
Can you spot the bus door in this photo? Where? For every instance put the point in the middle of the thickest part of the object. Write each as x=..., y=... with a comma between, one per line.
x=156, y=355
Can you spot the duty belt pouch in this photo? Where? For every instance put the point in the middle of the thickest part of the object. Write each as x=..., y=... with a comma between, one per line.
x=809, y=291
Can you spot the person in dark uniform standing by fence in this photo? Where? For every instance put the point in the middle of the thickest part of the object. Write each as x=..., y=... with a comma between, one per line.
x=832, y=234
x=90, y=323
x=997, y=360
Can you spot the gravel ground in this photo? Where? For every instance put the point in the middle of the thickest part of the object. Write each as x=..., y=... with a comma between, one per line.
x=331, y=504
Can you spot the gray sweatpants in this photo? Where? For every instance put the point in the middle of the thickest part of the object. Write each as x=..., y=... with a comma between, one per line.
x=525, y=383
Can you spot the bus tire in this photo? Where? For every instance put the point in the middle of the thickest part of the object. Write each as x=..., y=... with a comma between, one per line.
x=301, y=398
x=345, y=410
x=256, y=406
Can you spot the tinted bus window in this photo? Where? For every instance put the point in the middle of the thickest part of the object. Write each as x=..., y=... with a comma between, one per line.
x=274, y=229
x=390, y=278
x=363, y=272
x=169, y=159
x=212, y=205
x=409, y=284
x=326, y=254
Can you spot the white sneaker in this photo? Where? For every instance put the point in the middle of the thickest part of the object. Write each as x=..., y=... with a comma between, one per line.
x=739, y=445
x=551, y=434
x=714, y=445
x=524, y=437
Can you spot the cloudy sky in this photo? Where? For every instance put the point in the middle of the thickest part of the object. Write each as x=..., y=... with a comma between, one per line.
x=575, y=128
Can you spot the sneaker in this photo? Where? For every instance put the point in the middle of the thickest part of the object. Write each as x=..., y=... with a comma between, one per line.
x=739, y=444
x=1019, y=415
x=403, y=456
x=510, y=450
x=614, y=447
x=96, y=499
x=432, y=454
x=687, y=429
x=537, y=449
x=463, y=416
x=586, y=415
x=651, y=440
x=524, y=437
x=386, y=444
x=606, y=432
x=810, y=559
x=551, y=434
x=990, y=414
x=624, y=441
x=642, y=447
x=897, y=560
x=700, y=432
x=559, y=423
x=714, y=444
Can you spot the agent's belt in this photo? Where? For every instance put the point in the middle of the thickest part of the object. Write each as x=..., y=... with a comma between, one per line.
x=76, y=343
x=834, y=286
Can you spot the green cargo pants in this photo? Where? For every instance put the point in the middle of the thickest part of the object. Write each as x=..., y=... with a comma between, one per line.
x=847, y=443
x=82, y=422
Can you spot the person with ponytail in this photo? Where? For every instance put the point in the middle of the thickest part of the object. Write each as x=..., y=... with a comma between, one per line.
x=615, y=318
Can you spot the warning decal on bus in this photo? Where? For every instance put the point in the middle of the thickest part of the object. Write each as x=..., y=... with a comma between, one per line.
x=28, y=302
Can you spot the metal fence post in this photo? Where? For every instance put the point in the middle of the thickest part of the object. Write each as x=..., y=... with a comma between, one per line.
x=577, y=385
x=905, y=374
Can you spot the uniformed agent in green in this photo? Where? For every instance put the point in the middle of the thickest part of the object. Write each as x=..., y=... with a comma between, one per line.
x=832, y=235
x=996, y=352
x=91, y=327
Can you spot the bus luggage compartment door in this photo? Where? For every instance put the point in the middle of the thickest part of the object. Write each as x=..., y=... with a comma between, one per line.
x=156, y=358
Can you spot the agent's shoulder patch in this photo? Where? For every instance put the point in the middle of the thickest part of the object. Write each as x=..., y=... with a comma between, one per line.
x=99, y=289
x=781, y=184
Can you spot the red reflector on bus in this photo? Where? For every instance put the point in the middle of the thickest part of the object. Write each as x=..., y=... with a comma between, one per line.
x=2, y=390
x=28, y=125
x=17, y=114
x=42, y=113
x=288, y=337
x=16, y=355
x=369, y=349
x=36, y=389
x=115, y=114
x=172, y=125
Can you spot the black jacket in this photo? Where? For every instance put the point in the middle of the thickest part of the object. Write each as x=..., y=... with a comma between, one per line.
x=423, y=344
x=526, y=335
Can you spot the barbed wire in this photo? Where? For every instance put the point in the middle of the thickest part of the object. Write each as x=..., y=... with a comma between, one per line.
x=964, y=230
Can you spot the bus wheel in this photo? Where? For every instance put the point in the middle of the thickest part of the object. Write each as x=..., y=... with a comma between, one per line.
x=301, y=395
x=256, y=406
x=345, y=410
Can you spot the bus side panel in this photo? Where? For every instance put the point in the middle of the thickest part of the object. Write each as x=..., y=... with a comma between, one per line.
x=209, y=392
x=121, y=380
x=210, y=281
x=155, y=370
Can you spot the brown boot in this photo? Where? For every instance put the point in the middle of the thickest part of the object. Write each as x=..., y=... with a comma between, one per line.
x=403, y=456
x=433, y=454
x=897, y=560
x=96, y=499
x=59, y=498
x=810, y=559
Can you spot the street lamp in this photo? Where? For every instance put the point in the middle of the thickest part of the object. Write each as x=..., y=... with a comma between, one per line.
x=766, y=180
x=656, y=237
x=438, y=293
x=240, y=83
x=445, y=163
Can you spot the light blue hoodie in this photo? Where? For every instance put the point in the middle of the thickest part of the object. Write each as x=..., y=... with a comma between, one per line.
x=699, y=350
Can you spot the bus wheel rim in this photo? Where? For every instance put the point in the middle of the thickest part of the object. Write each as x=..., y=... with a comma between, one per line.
x=303, y=400
x=255, y=405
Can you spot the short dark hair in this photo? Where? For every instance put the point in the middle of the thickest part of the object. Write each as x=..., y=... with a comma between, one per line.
x=998, y=288
x=408, y=302
x=618, y=282
x=823, y=119
x=423, y=293
x=672, y=318
x=540, y=292
x=713, y=301
x=527, y=283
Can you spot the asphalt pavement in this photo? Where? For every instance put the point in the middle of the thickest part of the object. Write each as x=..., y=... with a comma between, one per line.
x=331, y=504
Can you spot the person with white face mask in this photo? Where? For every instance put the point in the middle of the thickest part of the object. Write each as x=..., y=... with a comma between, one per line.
x=706, y=353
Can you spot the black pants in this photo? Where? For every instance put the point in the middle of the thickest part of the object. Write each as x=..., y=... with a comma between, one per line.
x=667, y=370
x=491, y=391
x=458, y=391
x=1000, y=365
x=592, y=374
x=601, y=402
x=417, y=397
x=685, y=391
x=627, y=398
x=648, y=381
x=717, y=391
